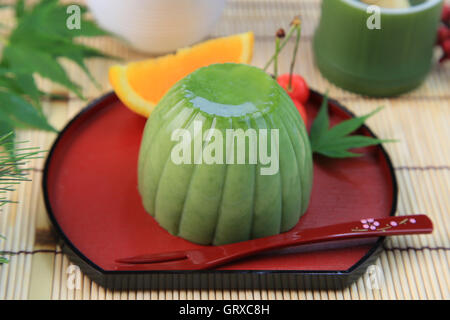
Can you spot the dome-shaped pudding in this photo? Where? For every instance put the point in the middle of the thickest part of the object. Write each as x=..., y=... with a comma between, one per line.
x=225, y=157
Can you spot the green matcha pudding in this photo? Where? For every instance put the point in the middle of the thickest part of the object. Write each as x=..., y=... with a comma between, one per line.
x=225, y=157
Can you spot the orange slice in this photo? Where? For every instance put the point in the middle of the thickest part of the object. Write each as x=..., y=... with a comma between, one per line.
x=140, y=85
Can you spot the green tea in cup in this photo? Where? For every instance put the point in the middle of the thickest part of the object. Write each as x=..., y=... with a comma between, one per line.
x=377, y=47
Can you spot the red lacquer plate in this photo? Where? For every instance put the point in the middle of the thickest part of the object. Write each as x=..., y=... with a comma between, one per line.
x=90, y=190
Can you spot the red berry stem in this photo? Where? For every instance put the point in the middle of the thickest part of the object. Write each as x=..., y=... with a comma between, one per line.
x=279, y=35
x=282, y=45
x=275, y=61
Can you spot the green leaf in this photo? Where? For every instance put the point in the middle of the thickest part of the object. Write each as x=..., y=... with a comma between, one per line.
x=39, y=39
x=89, y=29
x=28, y=87
x=24, y=60
x=3, y=260
x=3, y=70
x=6, y=82
x=7, y=137
x=19, y=8
x=59, y=48
x=9, y=120
x=77, y=53
x=336, y=142
x=336, y=148
x=54, y=38
x=355, y=141
x=6, y=132
x=22, y=84
x=346, y=127
x=321, y=123
x=337, y=153
x=20, y=112
x=52, y=19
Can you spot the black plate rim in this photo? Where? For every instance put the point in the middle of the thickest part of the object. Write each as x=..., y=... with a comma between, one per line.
x=371, y=254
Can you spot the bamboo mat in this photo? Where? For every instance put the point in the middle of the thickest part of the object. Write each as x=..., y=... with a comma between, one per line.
x=410, y=267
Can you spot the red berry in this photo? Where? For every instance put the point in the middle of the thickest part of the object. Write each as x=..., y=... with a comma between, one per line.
x=299, y=90
x=301, y=109
x=445, y=17
x=443, y=34
x=446, y=48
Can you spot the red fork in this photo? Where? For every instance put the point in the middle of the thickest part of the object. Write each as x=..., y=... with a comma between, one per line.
x=213, y=256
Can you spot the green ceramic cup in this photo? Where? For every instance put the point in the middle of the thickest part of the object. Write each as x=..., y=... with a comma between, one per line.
x=352, y=53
